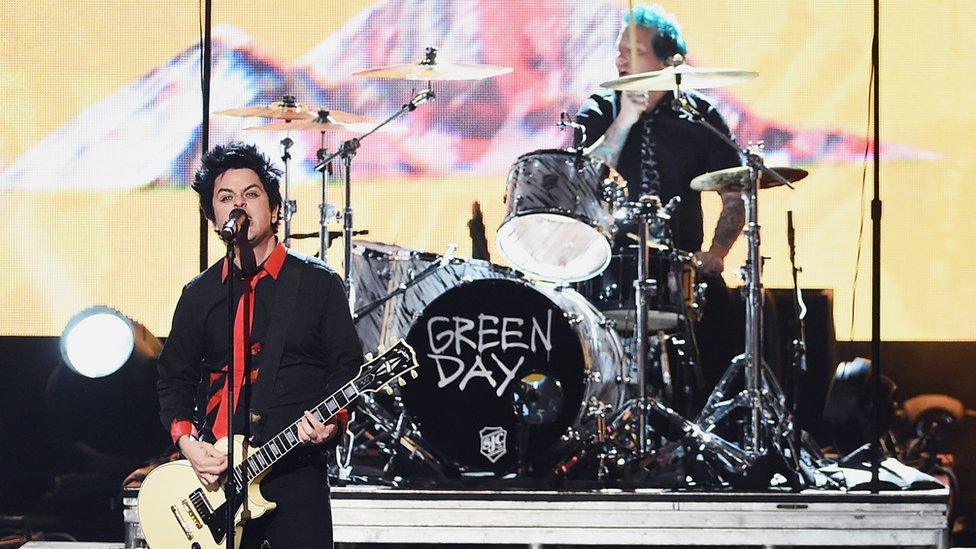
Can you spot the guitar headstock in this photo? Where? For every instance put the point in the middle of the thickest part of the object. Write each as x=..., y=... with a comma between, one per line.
x=391, y=365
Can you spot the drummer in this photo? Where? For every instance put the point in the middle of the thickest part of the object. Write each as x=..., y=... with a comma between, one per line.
x=659, y=151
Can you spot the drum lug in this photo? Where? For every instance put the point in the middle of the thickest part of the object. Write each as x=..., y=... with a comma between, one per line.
x=596, y=377
x=573, y=318
x=608, y=323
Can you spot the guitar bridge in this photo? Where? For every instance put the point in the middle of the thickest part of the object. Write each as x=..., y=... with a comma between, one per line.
x=179, y=520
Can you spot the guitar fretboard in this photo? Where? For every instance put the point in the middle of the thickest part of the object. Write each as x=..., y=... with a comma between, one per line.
x=273, y=450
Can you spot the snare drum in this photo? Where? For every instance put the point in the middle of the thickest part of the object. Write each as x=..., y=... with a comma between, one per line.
x=559, y=220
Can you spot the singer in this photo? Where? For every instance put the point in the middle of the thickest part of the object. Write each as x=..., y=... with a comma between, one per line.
x=659, y=151
x=318, y=349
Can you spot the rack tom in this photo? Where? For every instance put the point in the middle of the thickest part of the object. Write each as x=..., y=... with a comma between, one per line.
x=559, y=221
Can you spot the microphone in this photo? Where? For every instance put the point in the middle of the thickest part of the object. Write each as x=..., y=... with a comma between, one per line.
x=237, y=221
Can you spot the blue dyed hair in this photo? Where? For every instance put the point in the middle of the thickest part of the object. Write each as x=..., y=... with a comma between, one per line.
x=667, y=39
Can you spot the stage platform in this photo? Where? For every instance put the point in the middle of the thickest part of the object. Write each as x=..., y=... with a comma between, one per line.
x=365, y=515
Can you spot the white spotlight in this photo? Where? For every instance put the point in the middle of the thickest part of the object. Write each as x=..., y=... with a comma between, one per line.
x=99, y=340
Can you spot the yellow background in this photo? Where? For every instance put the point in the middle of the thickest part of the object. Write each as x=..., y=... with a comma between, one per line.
x=133, y=250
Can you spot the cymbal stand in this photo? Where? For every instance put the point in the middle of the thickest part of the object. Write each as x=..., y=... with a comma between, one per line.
x=767, y=426
x=647, y=207
x=347, y=151
x=289, y=206
x=327, y=212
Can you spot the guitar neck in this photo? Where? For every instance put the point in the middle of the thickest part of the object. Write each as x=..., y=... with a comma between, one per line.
x=286, y=440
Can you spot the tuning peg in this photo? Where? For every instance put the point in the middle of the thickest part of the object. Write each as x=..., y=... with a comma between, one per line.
x=401, y=382
x=381, y=348
x=387, y=389
x=369, y=356
x=413, y=374
x=392, y=342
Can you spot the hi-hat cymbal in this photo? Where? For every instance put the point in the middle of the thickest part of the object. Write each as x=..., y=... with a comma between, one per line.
x=434, y=71
x=699, y=78
x=736, y=179
x=324, y=121
x=279, y=110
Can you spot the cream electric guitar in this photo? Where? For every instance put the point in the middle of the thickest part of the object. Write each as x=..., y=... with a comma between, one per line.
x=176, y=510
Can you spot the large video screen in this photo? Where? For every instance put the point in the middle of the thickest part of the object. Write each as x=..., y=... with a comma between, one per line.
x=101, y=135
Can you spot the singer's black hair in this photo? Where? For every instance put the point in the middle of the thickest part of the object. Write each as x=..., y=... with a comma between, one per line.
x=235, y=155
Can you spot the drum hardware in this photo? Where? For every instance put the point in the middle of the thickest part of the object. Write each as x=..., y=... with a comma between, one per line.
x=293, y=116
x=429, y=70
x=644, y=212
x=288, y=205
x=767, y=429
x=333, y=235
x=347, y=151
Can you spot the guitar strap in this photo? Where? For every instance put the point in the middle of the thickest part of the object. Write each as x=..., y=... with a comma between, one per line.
x=285, y=297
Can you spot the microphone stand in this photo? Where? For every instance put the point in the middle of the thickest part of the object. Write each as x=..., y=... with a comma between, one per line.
x=229, y=488
x=798, y=366
x=347, y=151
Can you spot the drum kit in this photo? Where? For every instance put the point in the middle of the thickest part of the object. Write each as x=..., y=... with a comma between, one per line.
x=570, y=367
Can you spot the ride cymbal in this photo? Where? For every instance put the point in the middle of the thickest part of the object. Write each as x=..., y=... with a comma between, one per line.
x=736, y=179
x=691, y=77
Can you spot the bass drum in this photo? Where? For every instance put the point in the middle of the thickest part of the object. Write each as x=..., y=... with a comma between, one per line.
x=478, y=329
x=485, y=343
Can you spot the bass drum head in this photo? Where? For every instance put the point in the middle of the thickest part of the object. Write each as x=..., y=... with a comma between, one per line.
x=474, y=344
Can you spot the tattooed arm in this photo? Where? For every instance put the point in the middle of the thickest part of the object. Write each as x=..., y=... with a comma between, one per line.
x=727, y=230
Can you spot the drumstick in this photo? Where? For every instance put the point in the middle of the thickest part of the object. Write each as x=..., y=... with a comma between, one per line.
x=684, y=256
x=633, y=36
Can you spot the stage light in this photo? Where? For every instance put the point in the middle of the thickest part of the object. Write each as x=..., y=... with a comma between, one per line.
x=99, y=340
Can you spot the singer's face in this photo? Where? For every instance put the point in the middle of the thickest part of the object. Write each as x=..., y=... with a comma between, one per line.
x=643, y=60
x=242, y=188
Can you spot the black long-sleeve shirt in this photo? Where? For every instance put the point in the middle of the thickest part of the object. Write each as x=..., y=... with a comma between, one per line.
x=321, y=352
x=684, y=149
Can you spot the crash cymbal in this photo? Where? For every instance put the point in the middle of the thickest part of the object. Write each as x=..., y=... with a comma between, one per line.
x=691, y=77
x=324, y=121
x=434, y=71
x=286, y=109
x=736, y=179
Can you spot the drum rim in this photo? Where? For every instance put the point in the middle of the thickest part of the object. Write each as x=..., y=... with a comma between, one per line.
x=533, y=275
x=608, y=232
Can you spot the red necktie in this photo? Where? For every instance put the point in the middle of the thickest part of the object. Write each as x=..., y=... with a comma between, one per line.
x=242, y=334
